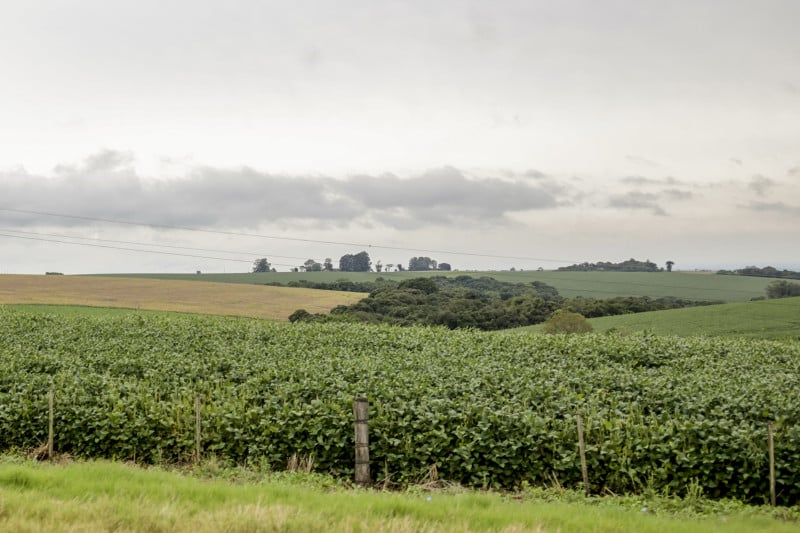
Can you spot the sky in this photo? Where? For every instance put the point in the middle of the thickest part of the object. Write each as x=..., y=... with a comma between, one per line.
x=175, y=136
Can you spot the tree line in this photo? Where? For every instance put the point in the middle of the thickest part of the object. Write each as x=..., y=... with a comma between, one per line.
x=631, y=265
x=766, y=272
x=359, y=262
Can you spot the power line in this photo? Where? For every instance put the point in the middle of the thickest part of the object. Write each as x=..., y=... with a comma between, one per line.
x=133, y=249
x=283, y=238
x=140, y=243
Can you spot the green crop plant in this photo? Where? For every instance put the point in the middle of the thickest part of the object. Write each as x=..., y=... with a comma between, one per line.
x=496, y=410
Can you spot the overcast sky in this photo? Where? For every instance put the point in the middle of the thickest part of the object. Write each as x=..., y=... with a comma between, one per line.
x=535, y=133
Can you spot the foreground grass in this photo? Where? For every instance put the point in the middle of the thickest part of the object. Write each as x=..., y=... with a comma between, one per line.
x=102, y=496
x=766, y=319
x=692, y=286
x=272, y=303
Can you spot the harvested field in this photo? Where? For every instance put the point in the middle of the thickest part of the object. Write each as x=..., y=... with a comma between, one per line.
x=272, y=303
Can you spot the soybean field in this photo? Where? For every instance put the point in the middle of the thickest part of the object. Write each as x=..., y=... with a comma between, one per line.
x=485, y=410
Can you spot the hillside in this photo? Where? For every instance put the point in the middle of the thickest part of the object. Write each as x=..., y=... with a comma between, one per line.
x=272, y=303
x=766, y=319
x=687, y=285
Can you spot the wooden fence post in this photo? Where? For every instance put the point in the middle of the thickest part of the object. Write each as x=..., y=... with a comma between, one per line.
x=771, y=439
x=50, y=421
x=582, y=450
x=197, y=429
x=361, y=414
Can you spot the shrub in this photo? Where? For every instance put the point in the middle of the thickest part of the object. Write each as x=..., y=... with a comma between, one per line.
x=566, y=322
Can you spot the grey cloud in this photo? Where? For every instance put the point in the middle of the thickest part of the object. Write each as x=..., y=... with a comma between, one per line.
x=446, y=194
x=760, y=184
x=676, y=194
x=774, y=207
x=641, y=180
x=637, y=200
x=104, y=186
x=103, y=162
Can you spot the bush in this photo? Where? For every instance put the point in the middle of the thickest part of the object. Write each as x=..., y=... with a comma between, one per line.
x=783, y=289
x=566, y=322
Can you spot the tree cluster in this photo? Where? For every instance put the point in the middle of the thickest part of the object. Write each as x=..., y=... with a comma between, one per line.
x=631, y=265
x=766, y=272
x=261, y=265
x=783, y=289
x=467, y=302
x=359, y=262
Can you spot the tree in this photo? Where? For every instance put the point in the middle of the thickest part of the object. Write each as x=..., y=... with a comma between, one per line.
x=328, y=264
x=359, y=262
x=378, y=266
x=783, y=289
x=312, y=266
x=444, y=266
x=389, y=267
x=421, y=263
x=566, y=322
x=261, y=265
x=669, y=265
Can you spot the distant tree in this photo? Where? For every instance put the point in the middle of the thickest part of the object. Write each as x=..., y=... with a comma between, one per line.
x=566, y=322
x=444, y=266
x=421, y=263
x=328, y=264
x=359, y=262
x=389, y=267
x=295, y=269
x=783, y=289
x=426, y=285
x=669, y=265
x=301, y=315
x=400, y=267
x=261, y=265
x=312, y=266
x=378, y=266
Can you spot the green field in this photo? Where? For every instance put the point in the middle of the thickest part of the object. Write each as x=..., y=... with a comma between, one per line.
x=692, y=286
x=767, y=319
x=488, y=410
x=100, y=496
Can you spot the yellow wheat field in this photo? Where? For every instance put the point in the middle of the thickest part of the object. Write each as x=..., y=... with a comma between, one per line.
x=272, y=303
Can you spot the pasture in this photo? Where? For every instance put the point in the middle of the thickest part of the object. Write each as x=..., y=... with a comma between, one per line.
x=692, y=286
x=765, y=319
x=271, y=303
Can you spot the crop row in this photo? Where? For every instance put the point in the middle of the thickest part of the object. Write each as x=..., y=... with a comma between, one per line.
x=487, y=409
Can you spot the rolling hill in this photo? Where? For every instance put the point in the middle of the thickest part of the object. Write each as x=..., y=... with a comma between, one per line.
x=692, y=286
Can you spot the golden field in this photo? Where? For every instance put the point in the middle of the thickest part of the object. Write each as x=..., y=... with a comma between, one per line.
x=272, y=303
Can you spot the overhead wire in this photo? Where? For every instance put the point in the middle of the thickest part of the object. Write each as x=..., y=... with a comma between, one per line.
x=284, y=238
x=159, y=252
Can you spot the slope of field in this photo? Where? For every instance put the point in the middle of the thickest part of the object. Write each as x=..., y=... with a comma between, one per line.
x=273, y=303
x=766, y=319
x=101, y=496
x=692, y=286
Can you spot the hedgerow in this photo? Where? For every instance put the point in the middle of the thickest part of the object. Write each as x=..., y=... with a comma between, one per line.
x=487, y=409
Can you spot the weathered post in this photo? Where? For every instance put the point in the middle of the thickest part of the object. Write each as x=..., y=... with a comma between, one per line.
x=197, y=429
x=582, y=450
x=361, y=414
x=50, y=421
x=771, y=464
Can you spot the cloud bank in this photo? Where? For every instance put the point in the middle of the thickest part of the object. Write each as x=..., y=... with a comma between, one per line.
x=106, y=186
